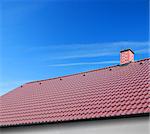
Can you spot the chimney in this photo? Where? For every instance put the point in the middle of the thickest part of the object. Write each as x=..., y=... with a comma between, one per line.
x=126, y=56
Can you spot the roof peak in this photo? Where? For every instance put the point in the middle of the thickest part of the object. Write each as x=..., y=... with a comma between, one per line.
x=60, y=77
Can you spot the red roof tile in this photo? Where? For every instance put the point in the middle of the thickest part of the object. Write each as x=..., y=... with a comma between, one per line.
x=123, y=90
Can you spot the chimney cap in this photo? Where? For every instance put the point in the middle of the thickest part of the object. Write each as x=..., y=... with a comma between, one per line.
x=126, y=50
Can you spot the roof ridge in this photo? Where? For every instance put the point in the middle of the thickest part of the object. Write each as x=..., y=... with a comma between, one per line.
x=83, y=72
x=73, y=74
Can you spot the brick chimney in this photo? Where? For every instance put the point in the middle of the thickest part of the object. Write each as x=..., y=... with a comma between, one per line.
x=126, y=56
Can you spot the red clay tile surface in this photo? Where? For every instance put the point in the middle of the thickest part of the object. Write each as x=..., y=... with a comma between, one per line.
x=121, y=90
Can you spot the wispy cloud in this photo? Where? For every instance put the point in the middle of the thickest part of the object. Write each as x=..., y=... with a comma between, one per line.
x=131, y=43
x=74, y=51
x=98, y=51
x=59, y=52
x=84, y=63
x=92, y=55
x=88, y=45
x=142, y=51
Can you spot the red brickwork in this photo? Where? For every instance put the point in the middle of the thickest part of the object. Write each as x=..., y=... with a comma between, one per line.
x=126, y=56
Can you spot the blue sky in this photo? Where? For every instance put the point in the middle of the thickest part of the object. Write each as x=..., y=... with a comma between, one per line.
x=49, y=38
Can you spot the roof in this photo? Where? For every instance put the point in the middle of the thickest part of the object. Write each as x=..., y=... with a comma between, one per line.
x=108, y=92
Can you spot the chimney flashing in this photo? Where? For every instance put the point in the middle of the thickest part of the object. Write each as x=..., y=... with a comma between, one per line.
x=125, y=64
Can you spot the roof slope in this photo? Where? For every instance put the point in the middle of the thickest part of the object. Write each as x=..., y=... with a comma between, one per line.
x=112, y=91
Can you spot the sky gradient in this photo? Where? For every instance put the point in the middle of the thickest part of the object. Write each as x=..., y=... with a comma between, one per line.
x=45, y=39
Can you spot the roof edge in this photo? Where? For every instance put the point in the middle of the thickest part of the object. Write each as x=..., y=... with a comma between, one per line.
x=87, y=119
